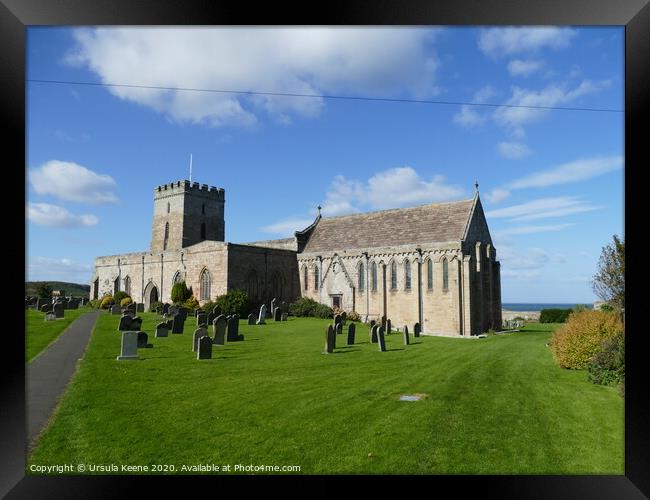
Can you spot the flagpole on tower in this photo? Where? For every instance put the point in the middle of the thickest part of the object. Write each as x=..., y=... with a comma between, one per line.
x=190, y=167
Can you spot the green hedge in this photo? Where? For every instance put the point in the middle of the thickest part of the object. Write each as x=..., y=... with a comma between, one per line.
x=554, y=315
x=305, y=306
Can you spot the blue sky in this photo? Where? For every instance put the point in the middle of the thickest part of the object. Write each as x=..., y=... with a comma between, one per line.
x=551, y=181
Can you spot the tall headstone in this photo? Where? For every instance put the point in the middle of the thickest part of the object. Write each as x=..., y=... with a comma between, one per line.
x=219, y=328
x=337, y=319
x=330, y=340
x=273, y=306
x=261, y=319
x=129, y=346
x=57, y=309
x=344, y=317
x=210, y=318
x=284, y=317
x=46, y=308
x=251, y=319
x=339, y=328
x=406, y=335
x=232, y=329
x=139, y=307
x=351, y=331
x=373, y=333
x=201, y=319
x=389, y=327
x=204, y=348
x=380, y=339
x=416, y=330
x=142, y=340
x=161, y=330
x=216, y=311
x=277, y=314
x=198, y=333
x=116, y=309
x=165, y=309
x=178, y=324
x=372, y=323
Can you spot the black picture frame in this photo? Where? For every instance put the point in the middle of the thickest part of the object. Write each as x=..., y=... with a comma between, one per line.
x=634, y=15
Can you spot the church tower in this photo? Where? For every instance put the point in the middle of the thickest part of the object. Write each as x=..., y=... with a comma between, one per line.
x=186, y=213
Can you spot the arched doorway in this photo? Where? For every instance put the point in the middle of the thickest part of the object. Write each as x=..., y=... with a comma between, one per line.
x=150, y=295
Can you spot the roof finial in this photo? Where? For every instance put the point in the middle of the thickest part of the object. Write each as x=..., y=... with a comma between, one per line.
x=476, y=186
x=319, y=207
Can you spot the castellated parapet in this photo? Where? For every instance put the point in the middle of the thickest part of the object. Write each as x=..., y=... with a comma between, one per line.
x=186, y=213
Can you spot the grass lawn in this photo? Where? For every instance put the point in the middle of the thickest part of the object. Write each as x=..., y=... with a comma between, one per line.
x=495, y=406
x=40, y=333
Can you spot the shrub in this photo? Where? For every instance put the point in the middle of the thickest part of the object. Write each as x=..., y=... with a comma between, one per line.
x=192, y=304
x=208, y=305
x=106, y=302
x=180, y=293
x=554, y=315
x=44, y=291
x=125, y=301
x=607, y=308
x=234, y=302
x=117, y=298
x=304, y=306
x=323, y=311
x=577, y=341
x=155, y=306
x=95, y=303
x=353, y=316
x=607, y=367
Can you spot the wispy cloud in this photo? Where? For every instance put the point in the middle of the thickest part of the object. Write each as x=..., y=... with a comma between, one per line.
x=287, y=227
x=45, y=214
x=518, y=67
x=544, y=208
x=513, y=150
x=72, y=182
x=567, y=173
x=497, y=195
x=499, y=42
x=46, y=268
x=532, y=229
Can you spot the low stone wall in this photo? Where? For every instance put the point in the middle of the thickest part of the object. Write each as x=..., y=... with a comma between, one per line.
x=527, y=315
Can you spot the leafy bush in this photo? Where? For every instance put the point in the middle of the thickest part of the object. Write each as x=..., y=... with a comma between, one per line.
x=580, y=338
x=155, y=306
x=192, y=304
x=117, y=298
x=353, y=316
x=95, y=303
x=44, y=291
x=607, y=367
x=607, y=308
x=125, y=301
x=234, y=302
x=208, y=305
x=304, y=306
x=180, y=293
x=554, y=315
x=323, y=311
x=106, y=302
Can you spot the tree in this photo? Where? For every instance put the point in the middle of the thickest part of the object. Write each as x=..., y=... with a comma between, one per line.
x=609, y=282
x=180, y=293
x=44, y=291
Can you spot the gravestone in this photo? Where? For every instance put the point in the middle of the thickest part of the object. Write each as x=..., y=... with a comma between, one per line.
x=216, y=311
x=125, y=323
x=165, y=309
x=210, y=318
x=416, y=330
x=170, y=324
x=41, y=302
x=339, y=328
x=46, y=308
x=273, y=306
x=381, y=340
x=351, y=331
x=406, y=335
x=82, y=302
x=198, y=333
x=58, y=310
x=330, y=340
x=277, y=314
x=283, y=317
x=201, y=319
x=129, y=313
x=260, y=320
x=129, y=346
x=162, y=330
x=251, y=319
x=284, y=307
x=142, y=340
x=204, y=348
x=373, y=334
x=178, y=323
x=232, y=329
x=337, y=319
x=372, y=323
x=136, y=322
x=50, y=316
x=344, y=317
x=139, y=307
x=389, y=327
x=116, y=309
x=383, y=321
x=219, y=328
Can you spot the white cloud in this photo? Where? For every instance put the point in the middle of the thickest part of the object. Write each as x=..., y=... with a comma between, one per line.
x=497, y=195
x=469, y=117
x=72, y=182
x=532, y=229
x=518, y=67
x=543, y=208
x=498, y=42
x=48, y=269
x=378, y=62
x=566, y=173
x=513, y=150
x=287, y=227
x=45, y=214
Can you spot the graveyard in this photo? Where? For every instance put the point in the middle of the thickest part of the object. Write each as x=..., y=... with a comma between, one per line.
x=496, y=405
x=39, y=334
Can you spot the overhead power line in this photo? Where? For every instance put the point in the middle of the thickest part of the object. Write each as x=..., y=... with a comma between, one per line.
x=323, y=96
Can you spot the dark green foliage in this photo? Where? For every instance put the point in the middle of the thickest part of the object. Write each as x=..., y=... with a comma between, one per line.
x=117, y=298
x=180, y=292
x=69, y=289
x=307, y=307
x=607, y=367
x=95, y=303
x=43, y=290
x=155, y=307
x=208, y=306
x=234, y=302
x=606, y=308
x=554, y=315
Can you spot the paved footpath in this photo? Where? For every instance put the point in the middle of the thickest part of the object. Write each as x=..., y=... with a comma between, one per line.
x=48, y=374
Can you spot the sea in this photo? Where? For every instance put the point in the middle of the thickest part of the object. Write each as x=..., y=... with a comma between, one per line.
x=538, y=306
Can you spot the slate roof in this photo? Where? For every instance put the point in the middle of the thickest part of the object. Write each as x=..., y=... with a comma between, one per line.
x=437, y=222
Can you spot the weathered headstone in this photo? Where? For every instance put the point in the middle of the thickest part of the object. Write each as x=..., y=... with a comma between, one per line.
x=273, y=307
x=284, y=317
x=125, y=323
x=46, y=308
x=373, y=333
x=204, y=348
x=344, y=317
x=251, y=319
x=210, y=318
x=416, y=330
x=198, y=333
x=277, y=314
x=406, y=335
x=201, y=319
x=232, y=329
x=139, y=307
x=284, y=307
x=260, y=320
x=380, y=339
x=165, y=308
x=219, y=327
x=116, y=309
x=50, y=316
x=162, y=330
x=216, y=311
x=129, y=346
x=339, y=328
x=372, y=323
x=178, y=324
x=57, y=309
x=142, y=340
x=389, y=327
x=351, y=331
x=330, y=340
x=337, y=319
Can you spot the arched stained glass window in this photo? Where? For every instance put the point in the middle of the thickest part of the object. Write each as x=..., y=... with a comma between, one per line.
x=205, y=285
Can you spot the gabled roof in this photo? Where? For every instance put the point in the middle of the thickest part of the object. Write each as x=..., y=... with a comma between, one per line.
x=437, y=222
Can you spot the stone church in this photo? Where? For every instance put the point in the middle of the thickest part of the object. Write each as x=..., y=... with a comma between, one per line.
x=433, y=264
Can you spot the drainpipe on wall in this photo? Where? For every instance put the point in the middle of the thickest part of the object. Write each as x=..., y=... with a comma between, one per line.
x=420, y=319
x=320, y=278
x=142, y=286
x=365, y=254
